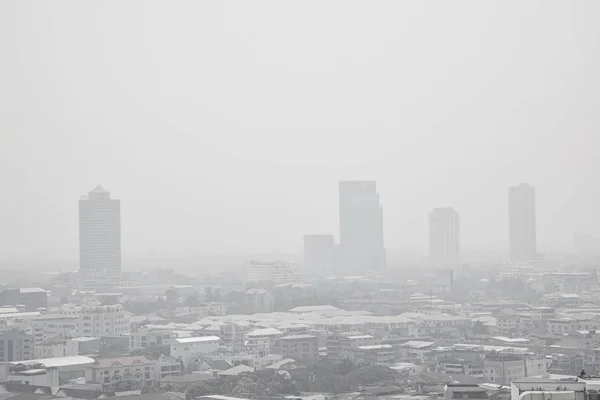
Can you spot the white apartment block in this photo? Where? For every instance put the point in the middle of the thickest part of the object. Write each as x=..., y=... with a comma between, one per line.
x=86, y=321
x=144, y=337
x=186, y=349
x=277, y=271
x=66, y=348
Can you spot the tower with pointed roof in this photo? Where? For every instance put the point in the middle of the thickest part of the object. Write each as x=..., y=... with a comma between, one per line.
x=100, y=234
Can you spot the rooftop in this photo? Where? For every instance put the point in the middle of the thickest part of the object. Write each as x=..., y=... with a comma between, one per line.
x=32, y=290
x=264, y=332
x=313, y=308
x=57, y=361
x=199, y=339
x=109, y=362
x=297, y=337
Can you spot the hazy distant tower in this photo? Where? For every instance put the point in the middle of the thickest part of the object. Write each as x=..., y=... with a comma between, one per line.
x=444, y=237
x=100, y=233
x=318, y=254
x=361, y=228
x=522, y=223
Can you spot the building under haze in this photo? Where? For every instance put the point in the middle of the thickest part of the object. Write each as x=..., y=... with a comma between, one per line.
x=361, y=228
x=444, y=237
x=522, y=231
x=318, y=254
x=99, y=234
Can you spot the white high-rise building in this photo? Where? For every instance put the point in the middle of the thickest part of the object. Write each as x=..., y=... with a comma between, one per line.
x=361, y=228
x=444, y=237
x=99, y=234
x=522, y=231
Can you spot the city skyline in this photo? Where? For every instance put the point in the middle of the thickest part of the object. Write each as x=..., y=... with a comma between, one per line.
x=255, y=138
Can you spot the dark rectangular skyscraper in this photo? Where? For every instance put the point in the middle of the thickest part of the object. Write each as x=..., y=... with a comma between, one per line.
x=522, y=235
x=100, y=234
x=361, y=228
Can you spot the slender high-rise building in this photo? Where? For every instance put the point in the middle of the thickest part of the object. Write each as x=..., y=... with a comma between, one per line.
x=318, y=254
x=444, y=237
x=100, y=234
x=361, y=228
x=522, y=236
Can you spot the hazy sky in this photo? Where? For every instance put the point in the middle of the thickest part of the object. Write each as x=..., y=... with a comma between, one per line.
x=225, y=126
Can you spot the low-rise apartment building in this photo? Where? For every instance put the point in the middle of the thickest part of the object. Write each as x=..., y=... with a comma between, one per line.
x=112, y=370
x=16, y=344
x=189, y=348
x=144, y=337
x=298, y=347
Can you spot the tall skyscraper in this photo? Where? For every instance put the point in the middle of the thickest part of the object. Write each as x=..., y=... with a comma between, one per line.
x=361, y=228
x=318, y=254
x=100, y=234
x=444, y=237
x=522, y=236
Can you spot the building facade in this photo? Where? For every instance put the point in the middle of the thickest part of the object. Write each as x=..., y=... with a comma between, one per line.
x=16, y=345
x=522, y=223
x=361, y=228
x=100, y=235
x=444, y=237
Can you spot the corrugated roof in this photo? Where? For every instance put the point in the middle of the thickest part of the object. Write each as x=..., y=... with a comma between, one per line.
x=198, y=339
x=58, y=361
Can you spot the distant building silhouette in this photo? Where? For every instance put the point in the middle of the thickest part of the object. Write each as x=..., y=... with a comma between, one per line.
x=361, y=228
x=444, y=237
x=100, y=234
x=522, y=224
x=318, y=254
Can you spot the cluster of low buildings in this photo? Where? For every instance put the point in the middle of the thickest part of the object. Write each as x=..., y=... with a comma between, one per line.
x=89, y=339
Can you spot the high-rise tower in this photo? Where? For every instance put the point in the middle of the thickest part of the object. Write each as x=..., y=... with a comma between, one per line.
x=361, y=228
x=100, y=234
x=444, y=237
x=522, y=232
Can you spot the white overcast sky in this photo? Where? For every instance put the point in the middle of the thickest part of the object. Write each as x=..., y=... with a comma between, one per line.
x=226, y=125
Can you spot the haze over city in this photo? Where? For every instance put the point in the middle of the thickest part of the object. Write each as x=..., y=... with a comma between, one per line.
x=225, y=127
x=315, y=200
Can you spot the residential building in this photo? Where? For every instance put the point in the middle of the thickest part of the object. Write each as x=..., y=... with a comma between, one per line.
x=503, y=369
x=259, y=300
x=144, y=337
x=276, y=271
x=464, y=392
x=444, y=238
x=522, y=224
x=16, y=344
x=31, y=298
x=298, y=347
x=342, y=346
x=166, y=367
x=361, y=228
x=68, y=367
x=100, y=234
x=55, y=326
x=112, y=370
x=560, y=326
x=189, y=348
x=62, y=348
x=318, y=254
x=509, y=322
x=378, y=354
